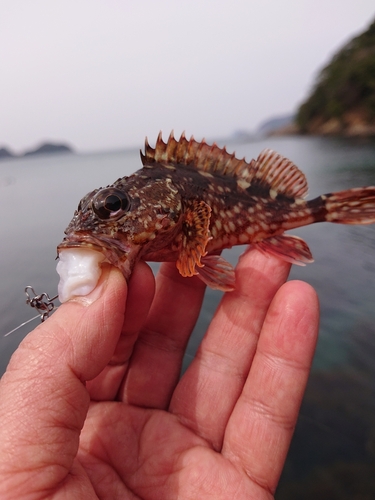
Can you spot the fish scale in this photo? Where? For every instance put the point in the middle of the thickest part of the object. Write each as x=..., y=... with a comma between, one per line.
x=191, y=200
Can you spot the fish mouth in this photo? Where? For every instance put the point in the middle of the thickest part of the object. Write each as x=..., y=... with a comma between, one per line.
x=119, y=253
x=99, y=244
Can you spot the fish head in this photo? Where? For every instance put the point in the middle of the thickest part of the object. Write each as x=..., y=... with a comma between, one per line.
x=135, y=216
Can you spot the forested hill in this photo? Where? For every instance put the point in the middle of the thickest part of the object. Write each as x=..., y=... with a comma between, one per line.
x=343, y=99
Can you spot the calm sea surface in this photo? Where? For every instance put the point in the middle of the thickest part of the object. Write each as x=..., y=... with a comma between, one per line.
x=333, y=452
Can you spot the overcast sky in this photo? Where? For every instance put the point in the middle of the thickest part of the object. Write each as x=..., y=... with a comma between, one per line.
x=102, y=74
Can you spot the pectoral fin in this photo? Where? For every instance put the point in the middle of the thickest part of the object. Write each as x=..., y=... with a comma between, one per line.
x=195, y=236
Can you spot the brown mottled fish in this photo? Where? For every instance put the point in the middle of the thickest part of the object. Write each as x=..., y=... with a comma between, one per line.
x=191, y=200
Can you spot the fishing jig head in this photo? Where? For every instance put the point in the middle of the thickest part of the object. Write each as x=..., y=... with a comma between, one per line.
x=43, y=303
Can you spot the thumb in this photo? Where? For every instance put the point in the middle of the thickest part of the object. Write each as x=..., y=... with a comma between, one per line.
x=43, y=398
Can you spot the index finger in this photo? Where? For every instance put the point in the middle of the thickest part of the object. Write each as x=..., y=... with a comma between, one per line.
x=157, y=357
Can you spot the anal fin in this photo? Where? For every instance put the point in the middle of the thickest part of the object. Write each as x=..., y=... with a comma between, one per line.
x=289, y=248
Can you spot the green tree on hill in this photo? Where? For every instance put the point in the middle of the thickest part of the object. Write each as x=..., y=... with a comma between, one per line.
x=346, y=84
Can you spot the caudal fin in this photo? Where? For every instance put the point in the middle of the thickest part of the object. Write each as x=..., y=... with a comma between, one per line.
x=354, y=206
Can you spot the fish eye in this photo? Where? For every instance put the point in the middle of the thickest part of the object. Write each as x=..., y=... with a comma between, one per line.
x=110, y=203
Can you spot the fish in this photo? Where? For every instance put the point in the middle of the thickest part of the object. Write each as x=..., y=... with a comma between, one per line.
x=190, y=200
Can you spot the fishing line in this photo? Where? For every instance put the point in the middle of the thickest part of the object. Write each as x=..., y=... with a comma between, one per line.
x=22, y=324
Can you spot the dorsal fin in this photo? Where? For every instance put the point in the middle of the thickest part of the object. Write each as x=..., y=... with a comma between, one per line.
x=281, y=174
x=199, y=155
x=270, y=169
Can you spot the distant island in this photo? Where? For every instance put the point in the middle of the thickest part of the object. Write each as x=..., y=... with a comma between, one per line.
x=278, y=125
x=48, y=148
x=5, y=153
x=343, y=99
x=45, y=148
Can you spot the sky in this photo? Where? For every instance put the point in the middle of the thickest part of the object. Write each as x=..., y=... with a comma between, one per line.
x=103, y=74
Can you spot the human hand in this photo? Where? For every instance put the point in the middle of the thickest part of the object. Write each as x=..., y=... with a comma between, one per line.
x=91, y=405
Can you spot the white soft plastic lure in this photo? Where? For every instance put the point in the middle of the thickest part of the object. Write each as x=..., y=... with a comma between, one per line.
x=79, y=270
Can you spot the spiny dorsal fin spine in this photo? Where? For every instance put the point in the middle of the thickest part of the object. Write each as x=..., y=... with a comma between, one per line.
x=270, y=169
x=180, y=150
x=160, y=149
x=170, y=150
x=192, y=151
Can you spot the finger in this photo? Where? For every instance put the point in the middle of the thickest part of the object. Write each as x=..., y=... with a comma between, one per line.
x=140, y=294
x=205, y=397
x=43, y=399
x=260, y=429
x=156, y=361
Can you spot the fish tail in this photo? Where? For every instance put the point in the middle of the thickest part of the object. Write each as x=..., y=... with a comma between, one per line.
x=353, y=206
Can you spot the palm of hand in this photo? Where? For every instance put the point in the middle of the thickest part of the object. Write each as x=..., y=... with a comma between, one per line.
x=151, y=454
x=222, y=431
